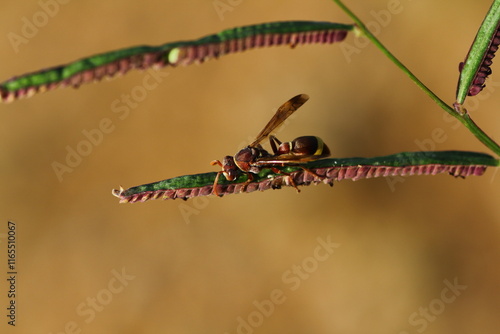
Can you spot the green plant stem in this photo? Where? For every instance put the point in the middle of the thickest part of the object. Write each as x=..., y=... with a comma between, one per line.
x=463, y=117
x=477, y=131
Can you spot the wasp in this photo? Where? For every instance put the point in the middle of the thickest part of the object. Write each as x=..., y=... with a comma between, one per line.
x=253, y=158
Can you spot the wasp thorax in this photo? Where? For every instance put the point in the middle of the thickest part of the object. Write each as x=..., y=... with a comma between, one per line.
x=247, y=156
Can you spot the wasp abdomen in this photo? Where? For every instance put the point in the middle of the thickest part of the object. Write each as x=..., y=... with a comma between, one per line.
x=309, y=145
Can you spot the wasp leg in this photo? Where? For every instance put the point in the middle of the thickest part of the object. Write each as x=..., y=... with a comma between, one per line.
x=288, y=175
x=275, y=143
x=214, y=187
x=312, y=173
x=247, y=182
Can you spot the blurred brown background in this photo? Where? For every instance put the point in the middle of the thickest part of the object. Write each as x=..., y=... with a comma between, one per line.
x=210, y=269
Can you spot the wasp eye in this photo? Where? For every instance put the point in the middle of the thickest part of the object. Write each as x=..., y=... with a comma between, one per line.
x=228, y=161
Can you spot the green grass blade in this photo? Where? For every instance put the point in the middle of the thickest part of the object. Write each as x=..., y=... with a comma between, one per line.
x=476, y=66
x=456, y=163
x=108, y=64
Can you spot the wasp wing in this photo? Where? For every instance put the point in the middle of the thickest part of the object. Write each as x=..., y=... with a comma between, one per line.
x=287, y=159
x=283, y=112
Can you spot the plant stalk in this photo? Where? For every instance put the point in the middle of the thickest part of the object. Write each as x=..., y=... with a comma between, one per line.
x=463, y=117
